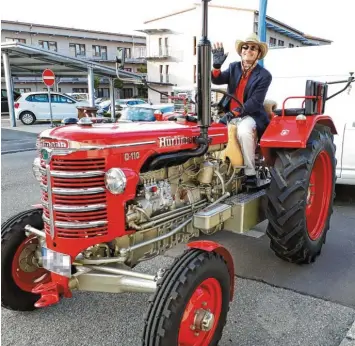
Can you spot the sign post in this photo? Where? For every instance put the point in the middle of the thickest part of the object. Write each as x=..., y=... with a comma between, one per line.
x=48, y=78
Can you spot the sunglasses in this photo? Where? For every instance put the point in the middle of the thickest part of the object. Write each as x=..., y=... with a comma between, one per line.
x=252, y=48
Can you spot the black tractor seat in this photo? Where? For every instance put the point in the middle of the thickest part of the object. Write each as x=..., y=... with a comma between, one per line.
x=290, y=111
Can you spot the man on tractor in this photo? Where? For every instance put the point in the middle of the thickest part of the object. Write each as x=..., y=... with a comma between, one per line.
x=249, y=82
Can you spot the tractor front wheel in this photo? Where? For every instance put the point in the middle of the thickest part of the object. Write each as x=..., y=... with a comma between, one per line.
x=191, y=303
x=20, y=272
x=300, y=198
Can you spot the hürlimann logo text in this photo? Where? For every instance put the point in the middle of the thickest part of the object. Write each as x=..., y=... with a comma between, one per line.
x=176, y=140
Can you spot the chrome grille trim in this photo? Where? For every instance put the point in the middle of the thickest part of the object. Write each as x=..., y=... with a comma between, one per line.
x=72, y=192
x=77, y=225
x=79, y=208
x=83, y=174
x=50, y=203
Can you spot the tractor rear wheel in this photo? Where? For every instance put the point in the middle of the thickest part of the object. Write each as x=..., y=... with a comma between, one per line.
x=19, y=270
x=300, y=198
x=191, y=303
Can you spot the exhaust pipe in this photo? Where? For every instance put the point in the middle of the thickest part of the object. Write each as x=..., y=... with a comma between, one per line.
x=203, y=105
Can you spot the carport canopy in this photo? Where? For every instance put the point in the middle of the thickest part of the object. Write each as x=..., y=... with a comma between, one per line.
x=21, y=60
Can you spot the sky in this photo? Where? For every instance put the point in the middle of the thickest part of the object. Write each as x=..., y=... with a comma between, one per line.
x=328, y=19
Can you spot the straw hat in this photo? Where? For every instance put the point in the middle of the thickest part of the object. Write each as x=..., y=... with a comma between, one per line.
x=263, y=47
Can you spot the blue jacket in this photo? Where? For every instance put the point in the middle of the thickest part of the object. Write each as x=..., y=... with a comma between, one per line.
x=254, y=93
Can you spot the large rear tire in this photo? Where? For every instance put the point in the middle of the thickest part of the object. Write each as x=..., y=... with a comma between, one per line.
x=191, y=303
x=19, y=272
x=300, y=198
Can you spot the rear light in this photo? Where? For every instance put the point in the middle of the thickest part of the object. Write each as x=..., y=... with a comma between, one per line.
x=158, y=115
x=16, y=105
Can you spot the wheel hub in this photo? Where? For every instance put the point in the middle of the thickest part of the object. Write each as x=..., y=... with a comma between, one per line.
x=204, y=320
x=27, y=259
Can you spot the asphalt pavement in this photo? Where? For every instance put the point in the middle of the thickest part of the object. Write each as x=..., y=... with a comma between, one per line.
x=276, y=303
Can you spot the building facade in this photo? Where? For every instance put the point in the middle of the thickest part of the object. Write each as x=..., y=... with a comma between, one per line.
x=84, y=44
x=172, y=42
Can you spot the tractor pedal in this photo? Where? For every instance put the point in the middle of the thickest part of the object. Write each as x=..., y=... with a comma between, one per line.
x=49, y=294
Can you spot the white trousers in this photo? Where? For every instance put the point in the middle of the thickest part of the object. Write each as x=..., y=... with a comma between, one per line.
x=246, y=128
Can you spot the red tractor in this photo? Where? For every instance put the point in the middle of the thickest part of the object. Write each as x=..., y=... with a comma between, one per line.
x=114, y=195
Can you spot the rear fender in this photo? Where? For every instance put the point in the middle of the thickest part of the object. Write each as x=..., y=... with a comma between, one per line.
x=289, y=132
x=37, y=206
x=211, y=246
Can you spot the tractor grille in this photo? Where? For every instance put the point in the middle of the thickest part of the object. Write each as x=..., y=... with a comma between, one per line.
x=75, y=197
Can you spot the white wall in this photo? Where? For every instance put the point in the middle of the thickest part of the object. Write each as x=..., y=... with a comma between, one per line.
x=291, y=68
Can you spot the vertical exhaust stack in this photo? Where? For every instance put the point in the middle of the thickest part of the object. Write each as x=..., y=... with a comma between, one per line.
x=204, y=76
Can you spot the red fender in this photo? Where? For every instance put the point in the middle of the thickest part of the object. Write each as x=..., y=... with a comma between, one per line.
x=287, y=132
x=211, y=246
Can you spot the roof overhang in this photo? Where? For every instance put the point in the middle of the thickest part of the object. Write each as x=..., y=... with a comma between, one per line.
x=289, y=33
x=29, y=61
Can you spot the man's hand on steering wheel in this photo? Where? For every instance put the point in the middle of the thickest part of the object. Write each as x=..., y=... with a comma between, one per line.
x=218, y=55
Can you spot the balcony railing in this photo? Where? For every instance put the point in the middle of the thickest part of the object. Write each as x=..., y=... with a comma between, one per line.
x=164, y=78
x=163, y=53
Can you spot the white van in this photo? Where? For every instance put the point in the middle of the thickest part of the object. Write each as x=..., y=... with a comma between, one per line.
x=292, y=67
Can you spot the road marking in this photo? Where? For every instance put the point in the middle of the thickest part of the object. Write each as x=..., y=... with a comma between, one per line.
x=17, y=151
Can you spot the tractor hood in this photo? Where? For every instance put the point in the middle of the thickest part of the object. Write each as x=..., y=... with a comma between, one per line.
x=165, y=133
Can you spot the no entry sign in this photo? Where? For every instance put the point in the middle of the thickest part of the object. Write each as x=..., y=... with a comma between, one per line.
x=48, y=77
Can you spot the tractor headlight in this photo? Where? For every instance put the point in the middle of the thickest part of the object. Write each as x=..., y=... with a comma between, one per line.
x=115, y=181
x=36, y=166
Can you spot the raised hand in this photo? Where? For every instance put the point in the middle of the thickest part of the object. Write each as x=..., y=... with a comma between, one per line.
x=218, y=55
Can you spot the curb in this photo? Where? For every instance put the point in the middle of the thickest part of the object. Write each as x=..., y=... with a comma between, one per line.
x=349, y=339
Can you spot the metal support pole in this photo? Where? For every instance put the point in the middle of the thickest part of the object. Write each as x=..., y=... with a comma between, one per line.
x=112, y=97
x=262, y=24
x=91, y=87
x=9, y=89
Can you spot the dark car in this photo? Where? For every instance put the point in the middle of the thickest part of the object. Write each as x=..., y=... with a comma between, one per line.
x=4, y=103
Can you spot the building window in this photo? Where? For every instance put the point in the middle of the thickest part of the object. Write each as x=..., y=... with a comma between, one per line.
x=20, y=40
x=281, y=43
x=256, y=28
x=161, y=73
x=164, y=98
x=128, y=69
x=160, y=47
x=195, y=45
x=167, y=73
x=77, y=49
x=166, y=47
x=23, y=90
x=128, y=52
x=291, y=45
x=127, y=93
x=80, y=90
x=272, y=42
x=194, y=73
x=99, y=52
x=48, y=45
x=103, y=92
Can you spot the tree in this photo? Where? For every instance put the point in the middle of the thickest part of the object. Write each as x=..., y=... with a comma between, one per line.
x=118, y=84
x=96, y=82
x=142, y=69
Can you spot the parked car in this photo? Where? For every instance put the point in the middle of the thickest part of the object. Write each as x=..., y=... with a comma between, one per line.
x=35, y=106
x=4, y=100
x=148, y=112
x=79, y=96
x=120, y=105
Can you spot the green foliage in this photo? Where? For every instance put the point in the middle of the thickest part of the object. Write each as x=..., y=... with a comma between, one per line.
x=118, y=84
x=96, y=82
x=142, y=69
